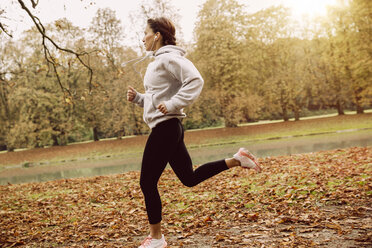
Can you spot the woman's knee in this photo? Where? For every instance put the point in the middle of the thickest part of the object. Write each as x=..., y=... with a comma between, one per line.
x=188, y=182
x=146, y=185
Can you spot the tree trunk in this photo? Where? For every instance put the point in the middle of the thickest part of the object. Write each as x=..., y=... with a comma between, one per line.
x=3, y=147
x=360, y=109
x=121, y=134
x=297, y=114
x=284, y=105
x=137, y=124
x=95, y=134
x=62, y=139
x=228, y=113
x=340, y=109
x=229, y=123
x=285, y=113
x=55, y=140
x=358, y=99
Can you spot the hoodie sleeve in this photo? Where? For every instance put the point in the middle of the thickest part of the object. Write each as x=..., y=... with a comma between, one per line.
x=138, y=99
x=192, y=83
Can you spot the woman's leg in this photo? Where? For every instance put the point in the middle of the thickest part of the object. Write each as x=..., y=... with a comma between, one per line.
x=181, y=164
x=232, y=162
x=159, y=147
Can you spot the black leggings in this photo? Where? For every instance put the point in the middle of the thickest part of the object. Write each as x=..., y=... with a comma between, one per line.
x=165, y=144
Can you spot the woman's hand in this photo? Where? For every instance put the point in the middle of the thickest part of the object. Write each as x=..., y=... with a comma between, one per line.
x=162, y=108
x=131, y=94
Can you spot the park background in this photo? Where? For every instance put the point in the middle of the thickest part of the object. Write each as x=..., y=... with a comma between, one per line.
x=295, y=91
x=261, y=66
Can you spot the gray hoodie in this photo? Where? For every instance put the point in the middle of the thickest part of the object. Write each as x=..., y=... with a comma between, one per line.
x=171, y=79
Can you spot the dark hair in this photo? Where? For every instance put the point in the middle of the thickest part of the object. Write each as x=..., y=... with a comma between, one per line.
x=165, y=27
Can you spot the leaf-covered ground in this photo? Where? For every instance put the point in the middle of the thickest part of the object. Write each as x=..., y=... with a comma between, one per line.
x=307, y=200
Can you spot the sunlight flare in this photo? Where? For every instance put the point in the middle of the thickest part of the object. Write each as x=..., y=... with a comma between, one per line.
x=310, y=8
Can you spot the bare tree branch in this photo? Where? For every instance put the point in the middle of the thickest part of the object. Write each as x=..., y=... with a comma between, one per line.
x=4, y=30
x=34, y=3
x=3, y=74
x=49, y=57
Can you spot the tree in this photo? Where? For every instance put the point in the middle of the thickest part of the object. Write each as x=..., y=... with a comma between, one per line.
x=49, y=43
x=219, y=34
x=152, y=9
x=349, y=35
x=359, y=52
x=11, y=65
x=36, y=118
x=270, y=57
x=106, y=36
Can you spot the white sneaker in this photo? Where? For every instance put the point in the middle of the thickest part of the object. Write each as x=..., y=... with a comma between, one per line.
x=247, y=159
x=149, y=242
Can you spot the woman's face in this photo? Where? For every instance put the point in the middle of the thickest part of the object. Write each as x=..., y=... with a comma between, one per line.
x=149, y=39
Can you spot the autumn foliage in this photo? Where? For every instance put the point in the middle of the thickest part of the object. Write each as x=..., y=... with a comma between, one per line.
x=307, y=200
x=256, y=66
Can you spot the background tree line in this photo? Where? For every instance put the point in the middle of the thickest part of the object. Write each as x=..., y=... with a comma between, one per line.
x=255, y=66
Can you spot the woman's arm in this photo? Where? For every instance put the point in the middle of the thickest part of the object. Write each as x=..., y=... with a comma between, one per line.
x=192, y=83
x=135, y=97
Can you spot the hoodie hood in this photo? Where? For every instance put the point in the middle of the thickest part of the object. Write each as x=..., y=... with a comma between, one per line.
x=170, y=49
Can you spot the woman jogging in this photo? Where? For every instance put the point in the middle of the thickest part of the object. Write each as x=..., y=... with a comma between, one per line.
x=171, y=83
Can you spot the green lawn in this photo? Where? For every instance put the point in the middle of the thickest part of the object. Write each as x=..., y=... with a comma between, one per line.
x=262, y=131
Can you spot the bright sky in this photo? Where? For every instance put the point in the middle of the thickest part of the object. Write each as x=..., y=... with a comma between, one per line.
x=81, y=13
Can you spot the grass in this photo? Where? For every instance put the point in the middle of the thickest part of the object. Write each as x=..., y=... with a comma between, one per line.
x=261, y=131
x=317, y=116
x=323, y=127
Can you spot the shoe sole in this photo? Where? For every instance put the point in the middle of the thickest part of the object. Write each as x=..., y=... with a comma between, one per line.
x=165, y=245
x=251, y=157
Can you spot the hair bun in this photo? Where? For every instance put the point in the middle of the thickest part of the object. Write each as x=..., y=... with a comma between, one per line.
x=165, y=27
